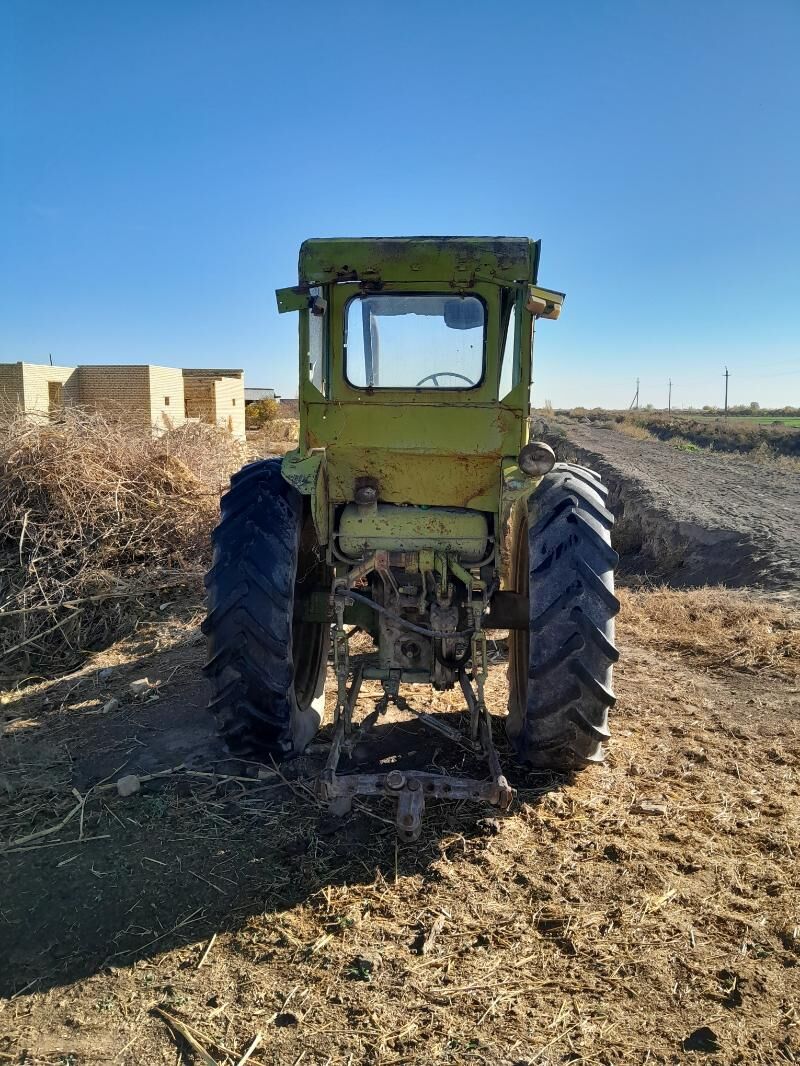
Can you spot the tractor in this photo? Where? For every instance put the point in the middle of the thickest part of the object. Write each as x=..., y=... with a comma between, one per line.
x=415, y=510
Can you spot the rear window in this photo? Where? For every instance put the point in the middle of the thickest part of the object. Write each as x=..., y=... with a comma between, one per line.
x=402, y=341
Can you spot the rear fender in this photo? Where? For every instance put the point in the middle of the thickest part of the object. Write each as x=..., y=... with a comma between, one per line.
x=308, y=474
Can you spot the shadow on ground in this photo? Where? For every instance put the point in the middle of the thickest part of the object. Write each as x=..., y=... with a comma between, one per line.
x=187, y=856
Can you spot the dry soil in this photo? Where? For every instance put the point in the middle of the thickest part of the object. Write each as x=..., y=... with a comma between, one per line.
x=646, y=911
x=697, y=517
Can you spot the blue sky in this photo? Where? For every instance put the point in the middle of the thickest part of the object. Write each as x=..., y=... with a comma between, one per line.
x=161, y=161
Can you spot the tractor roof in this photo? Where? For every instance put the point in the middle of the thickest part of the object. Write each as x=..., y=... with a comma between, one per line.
x=462, y=260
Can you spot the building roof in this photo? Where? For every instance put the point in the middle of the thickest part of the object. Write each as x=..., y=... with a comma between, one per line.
x=212, y=372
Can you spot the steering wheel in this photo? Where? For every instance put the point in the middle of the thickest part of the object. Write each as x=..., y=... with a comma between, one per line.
x=442, y=374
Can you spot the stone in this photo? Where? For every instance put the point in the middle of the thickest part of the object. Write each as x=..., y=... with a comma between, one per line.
x=141, y=686
x=128, y=785
x=111, y=705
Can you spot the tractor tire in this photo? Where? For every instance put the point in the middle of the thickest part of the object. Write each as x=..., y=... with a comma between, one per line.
x=560, y=668
x=267, y=670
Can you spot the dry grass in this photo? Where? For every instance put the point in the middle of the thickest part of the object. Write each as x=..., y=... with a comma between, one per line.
x=96, y=515
x=284, y=429
x=634, y=430
x=761, y=452
x=276, y=437
x=730, y=438
x=715, y=625
x=767, y=456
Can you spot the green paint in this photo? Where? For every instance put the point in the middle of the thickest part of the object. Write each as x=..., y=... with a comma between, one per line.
x=452, y=447
x=388, y=527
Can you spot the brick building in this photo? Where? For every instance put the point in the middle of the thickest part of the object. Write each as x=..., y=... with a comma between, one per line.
x=155, y=396
x=216, y=396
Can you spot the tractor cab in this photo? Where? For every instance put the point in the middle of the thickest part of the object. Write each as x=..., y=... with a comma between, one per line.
x=415, y=367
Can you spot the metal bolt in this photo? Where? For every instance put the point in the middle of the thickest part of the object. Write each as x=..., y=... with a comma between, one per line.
x=395, y=780
x=411, y=649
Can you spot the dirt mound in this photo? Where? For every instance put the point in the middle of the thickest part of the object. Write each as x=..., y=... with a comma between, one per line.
x=694, y=518
x=96, y=517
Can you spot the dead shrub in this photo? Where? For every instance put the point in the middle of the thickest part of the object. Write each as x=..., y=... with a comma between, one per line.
x=275, y=438
x=97, y=516
x=262, y=412
x=284, y=429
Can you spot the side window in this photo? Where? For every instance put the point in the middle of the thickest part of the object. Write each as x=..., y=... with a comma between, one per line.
x=507, y=374
x=316, y=345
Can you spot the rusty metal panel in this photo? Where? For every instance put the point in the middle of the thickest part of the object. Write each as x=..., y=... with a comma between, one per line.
x=460, y=260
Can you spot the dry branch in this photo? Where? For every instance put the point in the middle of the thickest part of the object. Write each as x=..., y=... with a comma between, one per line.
x=97, y=517
x=183, y=1031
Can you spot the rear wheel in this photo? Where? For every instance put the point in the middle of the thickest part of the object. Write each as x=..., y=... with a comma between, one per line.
x=560, y=668
x=267, y=670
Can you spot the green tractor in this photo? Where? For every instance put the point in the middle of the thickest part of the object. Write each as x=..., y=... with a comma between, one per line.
x=415, y=509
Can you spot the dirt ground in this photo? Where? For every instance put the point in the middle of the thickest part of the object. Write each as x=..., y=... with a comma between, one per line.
x=698, y=517
x=646, y=911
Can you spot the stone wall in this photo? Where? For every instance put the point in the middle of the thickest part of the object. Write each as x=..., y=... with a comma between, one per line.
x=198, y=392
x=146, y=395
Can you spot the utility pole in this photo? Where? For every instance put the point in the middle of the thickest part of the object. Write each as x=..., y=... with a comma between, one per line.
x=727, y=375
x=635, y=400
x=51, y=358
x=669, y=401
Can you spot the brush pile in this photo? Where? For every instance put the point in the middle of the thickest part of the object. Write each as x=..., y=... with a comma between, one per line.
x=276, y=437
x=97, y=518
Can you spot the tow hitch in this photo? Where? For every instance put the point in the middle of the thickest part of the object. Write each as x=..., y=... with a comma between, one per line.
x=411, y=788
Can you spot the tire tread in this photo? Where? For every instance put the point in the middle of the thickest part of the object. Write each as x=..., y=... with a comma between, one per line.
x=250, y=606
x=572, y=610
